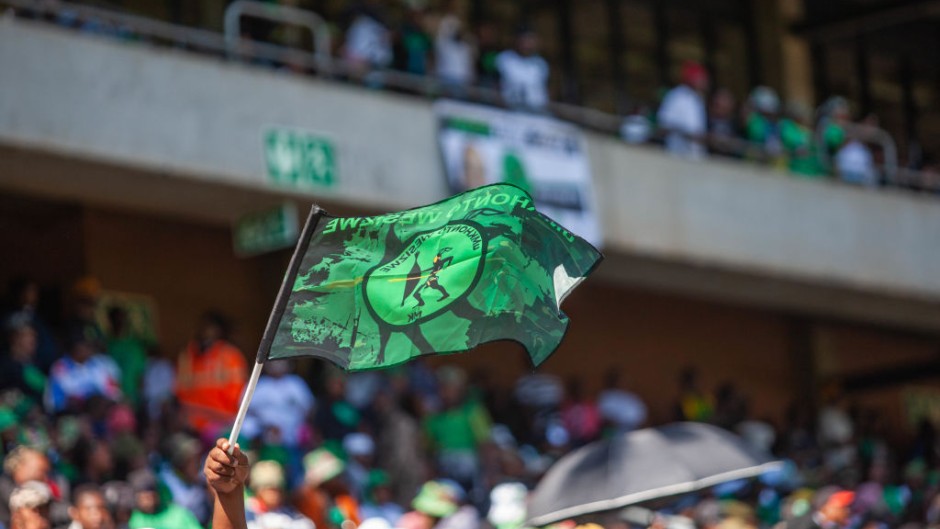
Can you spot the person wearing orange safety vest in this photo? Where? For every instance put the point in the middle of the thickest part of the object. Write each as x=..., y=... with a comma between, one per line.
x=210, y=377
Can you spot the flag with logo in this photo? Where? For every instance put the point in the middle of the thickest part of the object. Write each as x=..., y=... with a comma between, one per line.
x=484, y=265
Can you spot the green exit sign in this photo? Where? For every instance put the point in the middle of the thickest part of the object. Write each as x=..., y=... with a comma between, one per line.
x=299, y=159
x=266, y=231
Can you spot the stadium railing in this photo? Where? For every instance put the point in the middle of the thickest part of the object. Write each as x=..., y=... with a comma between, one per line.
x=233, y=45
x=319, y=30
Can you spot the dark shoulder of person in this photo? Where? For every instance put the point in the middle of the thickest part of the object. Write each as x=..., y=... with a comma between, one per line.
x=11, y=374
x=803, y=522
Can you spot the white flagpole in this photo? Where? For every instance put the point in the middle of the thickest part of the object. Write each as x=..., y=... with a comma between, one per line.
x=280, y=304
x=243, y=408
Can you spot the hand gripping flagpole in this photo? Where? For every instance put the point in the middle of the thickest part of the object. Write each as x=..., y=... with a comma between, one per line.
x=274, y=321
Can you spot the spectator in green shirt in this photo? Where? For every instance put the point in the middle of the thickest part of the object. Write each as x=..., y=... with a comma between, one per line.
x=18, y=369
x=761, y=125
x=129, y=352
x=837, y=114
x=151, y=511
x=457, y=431
x=798, y=140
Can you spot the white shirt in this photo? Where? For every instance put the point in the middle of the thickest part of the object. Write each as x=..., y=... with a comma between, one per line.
x=280, y=402
x=190, y=496
x=855, y=164
x=454, y=55
x=622, y=408
x=523, y=79
x=683, y=110
x=68, y=379
x=159, y=384
x=368, y=40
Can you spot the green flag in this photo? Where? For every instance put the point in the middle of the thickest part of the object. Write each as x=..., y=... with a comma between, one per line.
x=371, y=292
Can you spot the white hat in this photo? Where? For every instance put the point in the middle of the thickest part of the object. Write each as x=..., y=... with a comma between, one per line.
x=30, y=495
x=358, y=444
x=507, y=505
x=266, y=475
x=765, y=99
x=375, y=523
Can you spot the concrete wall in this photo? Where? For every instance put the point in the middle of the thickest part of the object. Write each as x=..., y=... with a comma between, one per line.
x=156, y=123
x=182, y=114
x=729, y=214
x=40, y=240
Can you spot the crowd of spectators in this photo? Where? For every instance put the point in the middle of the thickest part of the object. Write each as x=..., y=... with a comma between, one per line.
x=821, y=144
x=434, y=41
x=439, y=44
x=98, y=430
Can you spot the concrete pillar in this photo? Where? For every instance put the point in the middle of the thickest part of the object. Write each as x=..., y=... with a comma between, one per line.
x=796, y=62
x=786, y=63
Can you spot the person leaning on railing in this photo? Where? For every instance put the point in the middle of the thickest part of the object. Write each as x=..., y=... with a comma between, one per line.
x=683, y=112
x=796, y=135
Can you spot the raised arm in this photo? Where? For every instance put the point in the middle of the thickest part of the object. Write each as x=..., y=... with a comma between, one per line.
x=226, y=475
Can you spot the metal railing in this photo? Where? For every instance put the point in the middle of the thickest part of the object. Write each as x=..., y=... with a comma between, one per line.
x=319, y=30
x=196, y=38
x=864, y=133
x=231, y=44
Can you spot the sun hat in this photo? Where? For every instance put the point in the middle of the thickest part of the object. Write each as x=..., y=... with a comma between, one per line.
x=30, y=495
x=507, y=505
x=266, y=475
x=435, y=499
x=322, y=465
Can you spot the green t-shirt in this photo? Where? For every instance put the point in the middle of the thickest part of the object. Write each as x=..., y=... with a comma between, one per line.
x=834, y=137
x=130, y=354
x=763, y=132
x=172, y=517
x=801, y=149
x=34, y=378
x=461, y=428
x=758, y=127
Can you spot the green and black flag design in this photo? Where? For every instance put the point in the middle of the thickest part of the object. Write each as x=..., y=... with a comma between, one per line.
x=371, y=292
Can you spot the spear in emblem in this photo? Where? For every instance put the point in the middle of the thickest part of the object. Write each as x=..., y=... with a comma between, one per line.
x=413, y=280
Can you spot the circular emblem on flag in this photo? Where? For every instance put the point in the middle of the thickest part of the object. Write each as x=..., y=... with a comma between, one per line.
x=433, y=270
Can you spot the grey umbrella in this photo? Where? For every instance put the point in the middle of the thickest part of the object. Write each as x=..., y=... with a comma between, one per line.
x=641, y=466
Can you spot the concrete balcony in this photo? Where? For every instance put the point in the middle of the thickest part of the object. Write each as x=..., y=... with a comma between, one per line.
x=123, y=124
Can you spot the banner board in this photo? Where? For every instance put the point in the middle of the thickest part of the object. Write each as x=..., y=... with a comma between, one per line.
x=265, y=231
x=548, y=158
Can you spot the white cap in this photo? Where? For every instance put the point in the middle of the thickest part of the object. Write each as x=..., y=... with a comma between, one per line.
x=375, y=523
x=30, y=495
x=507, y=504
x=358, y=444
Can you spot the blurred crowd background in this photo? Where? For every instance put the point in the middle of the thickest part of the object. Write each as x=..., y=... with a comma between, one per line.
x=99, y=428
x=165, y=147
